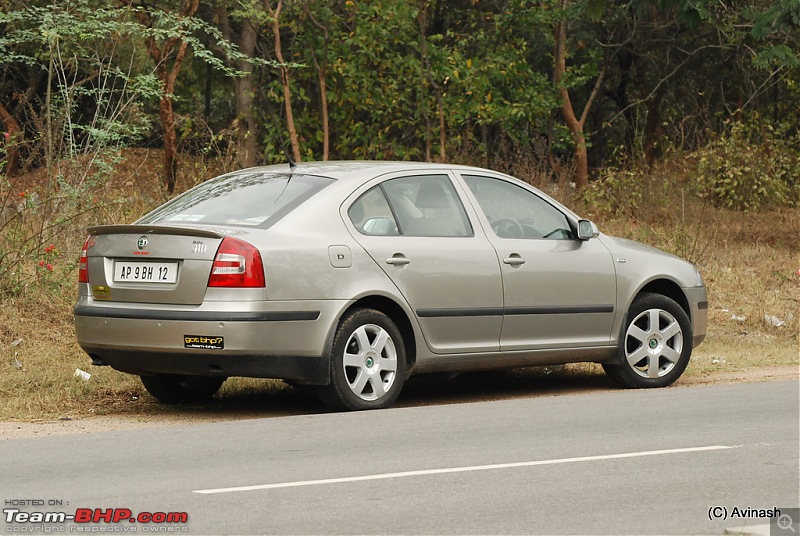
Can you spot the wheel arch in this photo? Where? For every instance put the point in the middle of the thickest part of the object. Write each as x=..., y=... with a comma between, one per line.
x=397, y=315
x=664, y=287
x=670, y=289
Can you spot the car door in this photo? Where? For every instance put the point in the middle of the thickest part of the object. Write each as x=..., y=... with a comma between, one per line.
x=559, y=291
x=415, y=227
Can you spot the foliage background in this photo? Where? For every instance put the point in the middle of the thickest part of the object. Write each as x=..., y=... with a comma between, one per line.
x=400, y=79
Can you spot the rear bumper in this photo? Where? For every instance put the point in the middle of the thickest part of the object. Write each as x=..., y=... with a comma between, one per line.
x=311, y=370
x=285, y=340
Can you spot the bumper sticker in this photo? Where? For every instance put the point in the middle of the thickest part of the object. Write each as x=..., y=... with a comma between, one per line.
x=203, y=342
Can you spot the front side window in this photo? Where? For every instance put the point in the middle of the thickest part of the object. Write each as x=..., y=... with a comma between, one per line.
x=515, y=212
x=247, y=198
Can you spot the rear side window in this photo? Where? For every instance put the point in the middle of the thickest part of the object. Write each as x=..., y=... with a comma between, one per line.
x=372, y=216
x=424, y=205
x=249, y=199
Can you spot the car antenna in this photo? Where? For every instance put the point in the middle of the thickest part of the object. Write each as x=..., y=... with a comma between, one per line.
x=285, y=150
x=292, y=165
x=278, y=129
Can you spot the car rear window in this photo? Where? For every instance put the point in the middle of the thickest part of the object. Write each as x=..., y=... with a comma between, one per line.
x=247, y=198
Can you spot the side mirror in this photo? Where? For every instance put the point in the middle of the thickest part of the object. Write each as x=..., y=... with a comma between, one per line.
x=587, y=230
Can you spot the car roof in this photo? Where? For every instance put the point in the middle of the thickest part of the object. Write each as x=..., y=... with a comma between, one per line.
x=347, y=172
x=358, y=169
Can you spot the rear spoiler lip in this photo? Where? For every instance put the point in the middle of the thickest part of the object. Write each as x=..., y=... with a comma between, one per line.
x=157, y=229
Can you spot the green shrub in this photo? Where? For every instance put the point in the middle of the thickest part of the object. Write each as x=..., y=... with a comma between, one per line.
x=750, y=167
x=617, y=192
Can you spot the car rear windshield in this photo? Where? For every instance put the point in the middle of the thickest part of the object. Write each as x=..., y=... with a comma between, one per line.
x=246, y=198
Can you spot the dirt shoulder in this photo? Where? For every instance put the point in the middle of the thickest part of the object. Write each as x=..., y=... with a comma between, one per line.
x=18, y=430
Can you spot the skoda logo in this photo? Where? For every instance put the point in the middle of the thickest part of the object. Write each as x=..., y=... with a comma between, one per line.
x=142, y=242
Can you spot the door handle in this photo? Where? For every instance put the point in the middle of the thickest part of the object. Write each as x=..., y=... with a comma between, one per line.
x=398, y=259
x=514, y=260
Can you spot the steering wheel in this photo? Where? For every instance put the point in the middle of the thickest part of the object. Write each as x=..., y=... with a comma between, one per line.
x=507, y=228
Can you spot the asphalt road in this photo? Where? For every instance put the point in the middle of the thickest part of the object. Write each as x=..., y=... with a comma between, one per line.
x=642, y=462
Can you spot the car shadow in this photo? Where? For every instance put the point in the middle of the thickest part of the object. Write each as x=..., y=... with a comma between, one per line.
x=275, y=399
x=470, y=387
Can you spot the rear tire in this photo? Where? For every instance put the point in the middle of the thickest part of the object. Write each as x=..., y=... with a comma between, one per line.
x=178, y=389
x=368, y=363
x=655, y=344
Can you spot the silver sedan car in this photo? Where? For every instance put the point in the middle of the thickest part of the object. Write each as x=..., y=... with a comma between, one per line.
x=351, y=276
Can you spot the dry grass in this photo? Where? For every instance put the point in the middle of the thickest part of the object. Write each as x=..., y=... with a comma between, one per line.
x=749, y=262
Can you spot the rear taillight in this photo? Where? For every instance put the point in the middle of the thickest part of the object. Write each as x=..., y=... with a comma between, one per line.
x=83, y=262
x=237, y=264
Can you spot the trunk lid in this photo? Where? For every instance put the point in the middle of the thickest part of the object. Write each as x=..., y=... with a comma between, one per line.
x=150, y=263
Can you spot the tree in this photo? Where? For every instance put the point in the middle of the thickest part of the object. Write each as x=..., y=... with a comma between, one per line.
x=439, y=89
x=168, y=50
x=171, y=30
x=243, y=27
x=575, y=123
x=284, y=69
x=71, y=68
x=322, y=74
x=466, y=80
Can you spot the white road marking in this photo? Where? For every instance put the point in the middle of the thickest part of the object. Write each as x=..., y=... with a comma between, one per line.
x=425, y=472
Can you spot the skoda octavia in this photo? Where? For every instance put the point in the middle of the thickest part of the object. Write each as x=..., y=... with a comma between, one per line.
x=348, y=277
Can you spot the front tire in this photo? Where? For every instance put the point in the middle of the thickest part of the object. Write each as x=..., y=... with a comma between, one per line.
x=178, y=389
x=368, y=363
x=655, y=345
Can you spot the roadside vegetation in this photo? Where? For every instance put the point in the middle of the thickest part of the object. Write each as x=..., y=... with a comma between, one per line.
x=671, y=123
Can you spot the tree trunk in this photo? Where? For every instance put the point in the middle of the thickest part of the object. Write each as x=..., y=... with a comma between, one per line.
x=442, y=129
x=10, y=141
x=322, y=70
x=247, y=154
x=323, y=95
x=170, y=136
x=652, y=130
x=287, y=91
x=620, y=97
x=581, y=162
x=572, y=121
x=438, y=90
x=207, y=94
x=173, y=49
x=170, y=159
x=243, y=94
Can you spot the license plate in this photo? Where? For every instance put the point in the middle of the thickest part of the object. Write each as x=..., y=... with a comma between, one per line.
x=145, y=272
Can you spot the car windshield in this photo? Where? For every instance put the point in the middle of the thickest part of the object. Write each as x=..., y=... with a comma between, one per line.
x=249, y=198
